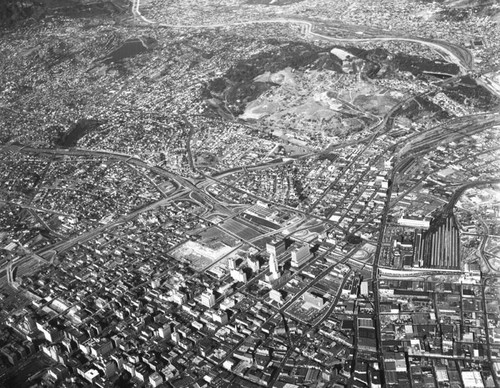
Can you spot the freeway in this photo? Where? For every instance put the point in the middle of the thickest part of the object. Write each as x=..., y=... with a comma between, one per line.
x=456, y=129
x=256, y=167
x=419, y=143
x=290, y=159
x=454, y=53
x=65, y=245
x=211, y=181
x=178, y=181
x=182, y=187
x=383, y=126
x=448, y=209
x=488, y=81
x=481, y=252
x=132, y=159
x=295, y=224
x=137, y=13
x=185, y=186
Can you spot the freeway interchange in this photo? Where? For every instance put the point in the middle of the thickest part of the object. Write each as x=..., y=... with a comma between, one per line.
x=184, y=188
x=371, y=152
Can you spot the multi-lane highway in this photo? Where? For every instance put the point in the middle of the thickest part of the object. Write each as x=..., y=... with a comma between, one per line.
x=67, y=244
x=451, y=52
x=185, y=187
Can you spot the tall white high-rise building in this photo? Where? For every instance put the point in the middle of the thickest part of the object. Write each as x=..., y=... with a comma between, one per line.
x=300, y=255
x=253, y=264
x=231, y=263
x=239, y=275
x=275, y=247
x=273, y=268
x=208, y=298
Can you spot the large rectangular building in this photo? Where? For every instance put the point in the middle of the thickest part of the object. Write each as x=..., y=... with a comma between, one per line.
x=314, y=300
x=439, y=247
x=276, y=247
x=300, y=255
x=414, y=222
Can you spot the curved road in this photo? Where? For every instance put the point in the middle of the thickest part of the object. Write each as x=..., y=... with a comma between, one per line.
x=461, y=190
x=454, y=53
